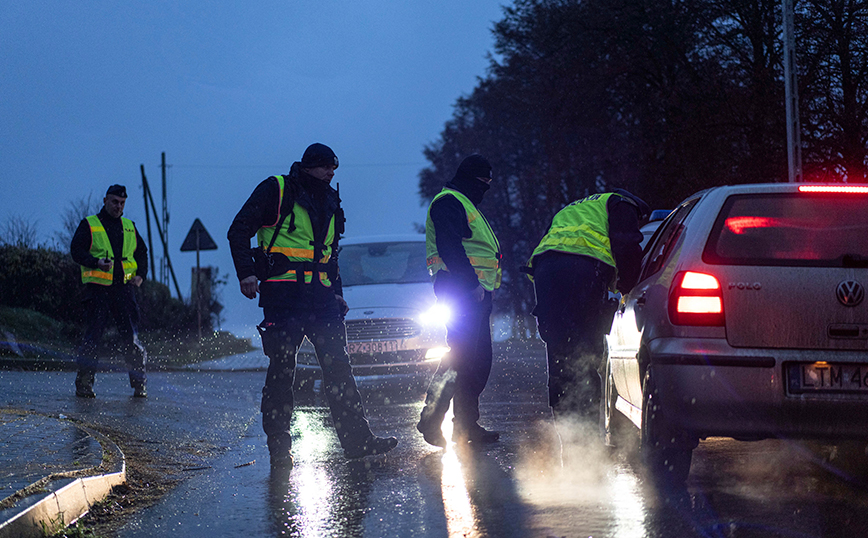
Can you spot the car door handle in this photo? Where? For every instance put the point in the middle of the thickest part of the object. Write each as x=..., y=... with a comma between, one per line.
x=640, y=301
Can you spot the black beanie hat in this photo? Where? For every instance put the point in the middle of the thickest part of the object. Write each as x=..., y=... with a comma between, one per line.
x=318, y=155
x=117, y=190
x=473, y=166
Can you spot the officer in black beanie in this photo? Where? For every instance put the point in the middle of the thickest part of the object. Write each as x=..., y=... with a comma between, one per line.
x=297, y=220
x=318, y=154
x=464, y=260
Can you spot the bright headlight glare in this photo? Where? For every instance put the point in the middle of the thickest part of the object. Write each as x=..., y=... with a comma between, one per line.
x=437, y=314
x=436, y=353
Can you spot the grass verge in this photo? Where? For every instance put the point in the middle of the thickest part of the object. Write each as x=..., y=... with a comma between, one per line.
x=29, y=339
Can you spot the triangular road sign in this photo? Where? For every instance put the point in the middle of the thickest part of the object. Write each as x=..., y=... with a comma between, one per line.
x=204, y=240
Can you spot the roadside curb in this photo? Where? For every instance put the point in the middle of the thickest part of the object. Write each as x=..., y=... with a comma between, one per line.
x=63, y=507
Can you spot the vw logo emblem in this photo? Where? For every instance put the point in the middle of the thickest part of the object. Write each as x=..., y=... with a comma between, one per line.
x=850, y=293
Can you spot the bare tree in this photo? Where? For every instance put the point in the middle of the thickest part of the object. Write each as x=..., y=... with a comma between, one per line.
x=19, y=231
x=833, y=88
x=72, y=216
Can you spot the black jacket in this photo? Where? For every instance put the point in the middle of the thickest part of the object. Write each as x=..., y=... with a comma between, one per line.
x=450, y=226
x=321, y=202
x=625, y=239
x=80, y=247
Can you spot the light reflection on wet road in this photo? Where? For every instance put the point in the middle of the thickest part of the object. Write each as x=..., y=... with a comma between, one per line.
x=523, y=486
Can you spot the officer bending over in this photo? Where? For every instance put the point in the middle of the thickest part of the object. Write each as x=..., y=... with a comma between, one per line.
x=591, y=248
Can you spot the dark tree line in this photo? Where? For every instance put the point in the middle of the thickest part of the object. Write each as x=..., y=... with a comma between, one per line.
x=661, y=97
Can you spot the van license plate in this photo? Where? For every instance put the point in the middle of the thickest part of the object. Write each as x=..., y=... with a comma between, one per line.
x=828, y=377
x=373, y=347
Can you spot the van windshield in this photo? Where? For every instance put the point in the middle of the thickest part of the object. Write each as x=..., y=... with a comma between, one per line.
x=793, y=229
x=383, y=263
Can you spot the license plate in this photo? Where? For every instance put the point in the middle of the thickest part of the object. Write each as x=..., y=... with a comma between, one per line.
x=373, y=347
x=828, y=377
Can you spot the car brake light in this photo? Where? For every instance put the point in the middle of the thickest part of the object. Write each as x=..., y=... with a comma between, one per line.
x=696, y=299
x=739, y=225
x=851, y=189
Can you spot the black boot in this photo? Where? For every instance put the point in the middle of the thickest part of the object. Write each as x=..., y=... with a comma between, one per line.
x=84, y=384
x=430, y=431
x=473, y=433
x=280, y=450
x=373, y=446
x=437, y=398
x=139, y=383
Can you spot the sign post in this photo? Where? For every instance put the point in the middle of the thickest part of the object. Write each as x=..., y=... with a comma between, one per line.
x=198, y=239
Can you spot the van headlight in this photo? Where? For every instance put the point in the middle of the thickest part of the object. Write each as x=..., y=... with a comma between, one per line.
x=438, y=314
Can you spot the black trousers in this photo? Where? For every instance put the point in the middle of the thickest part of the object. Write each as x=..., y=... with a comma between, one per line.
x=282, y=333
x=463, y=372
x=119, y=304
x=571, y=311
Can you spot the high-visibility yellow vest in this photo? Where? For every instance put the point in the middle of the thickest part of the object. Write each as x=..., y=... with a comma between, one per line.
x=580, y=228
x=296, y=245
x=101, y=247
x=482, y=247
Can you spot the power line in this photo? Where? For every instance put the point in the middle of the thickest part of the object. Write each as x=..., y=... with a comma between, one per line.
x=271, y=167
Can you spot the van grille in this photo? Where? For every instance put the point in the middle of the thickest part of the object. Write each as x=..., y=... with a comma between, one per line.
x=381, y=329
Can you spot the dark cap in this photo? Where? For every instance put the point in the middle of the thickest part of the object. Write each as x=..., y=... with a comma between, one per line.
x=642, y=207
x=318, y=155
x=117, y=190
x=473, y=166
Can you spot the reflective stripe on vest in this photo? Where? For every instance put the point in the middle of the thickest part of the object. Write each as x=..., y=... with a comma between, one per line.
x=581, y=228
x=101, y=247
x=297, y=245
x=482, y=247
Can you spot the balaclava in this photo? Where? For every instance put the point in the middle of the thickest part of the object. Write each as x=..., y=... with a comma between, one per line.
x=472, y=167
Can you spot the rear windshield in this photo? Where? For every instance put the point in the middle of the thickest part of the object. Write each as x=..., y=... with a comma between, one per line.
x=383, y=263
x=794, y=229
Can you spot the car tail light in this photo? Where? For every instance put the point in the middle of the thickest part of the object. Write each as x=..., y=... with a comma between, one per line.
x=696, y=299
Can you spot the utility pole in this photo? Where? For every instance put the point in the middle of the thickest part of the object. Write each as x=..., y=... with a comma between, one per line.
x=147, y=192
x=164, y=263
x=164, y=239
x=794, y=139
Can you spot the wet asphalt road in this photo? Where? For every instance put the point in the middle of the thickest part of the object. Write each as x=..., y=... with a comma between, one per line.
x=521, y=486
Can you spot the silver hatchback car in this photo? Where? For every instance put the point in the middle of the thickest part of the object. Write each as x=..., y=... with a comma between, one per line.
x=749, y=321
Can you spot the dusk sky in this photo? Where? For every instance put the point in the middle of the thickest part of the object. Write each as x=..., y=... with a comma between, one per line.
x=232, y=92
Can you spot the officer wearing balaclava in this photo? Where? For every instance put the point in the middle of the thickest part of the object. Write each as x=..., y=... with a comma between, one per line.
x=463, y=257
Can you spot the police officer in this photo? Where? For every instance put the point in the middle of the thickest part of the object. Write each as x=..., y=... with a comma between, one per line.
x=591, y=248
x=297, y=220
x=464, y=262
x=113, y=260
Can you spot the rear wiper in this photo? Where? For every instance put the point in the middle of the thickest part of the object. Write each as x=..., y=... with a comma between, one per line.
x=854, y=260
